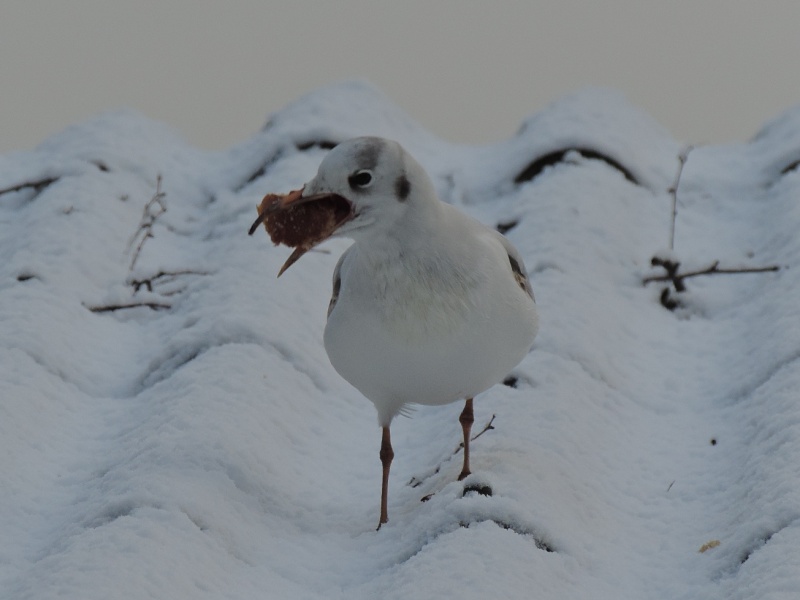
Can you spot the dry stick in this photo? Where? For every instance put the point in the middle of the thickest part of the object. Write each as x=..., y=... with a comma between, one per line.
x=477, y=435
x=673, y=191
x=113, y=307
x=486, y=428
x=149, y=282
x=672, y=267
x=714, y=269
x=414, y=482
x=35, y=185
x=148, y=220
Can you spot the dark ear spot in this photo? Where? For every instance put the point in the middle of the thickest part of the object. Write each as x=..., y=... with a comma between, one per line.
x=402, y=187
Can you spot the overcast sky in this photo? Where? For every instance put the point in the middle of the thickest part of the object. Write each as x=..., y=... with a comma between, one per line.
x=708, y=70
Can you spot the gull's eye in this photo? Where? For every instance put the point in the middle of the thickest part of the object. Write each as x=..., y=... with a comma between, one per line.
x=360, y=179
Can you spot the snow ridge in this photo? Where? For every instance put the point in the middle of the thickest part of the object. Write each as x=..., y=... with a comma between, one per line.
x=175, y=429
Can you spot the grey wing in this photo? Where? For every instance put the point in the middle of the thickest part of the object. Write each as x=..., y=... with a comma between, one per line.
x=517, y=266
x=337, y=282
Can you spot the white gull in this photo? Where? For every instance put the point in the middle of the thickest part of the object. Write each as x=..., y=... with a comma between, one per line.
x=429, y=306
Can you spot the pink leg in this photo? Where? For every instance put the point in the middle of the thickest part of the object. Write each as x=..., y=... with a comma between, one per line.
x=466, y=419
x=386, y=454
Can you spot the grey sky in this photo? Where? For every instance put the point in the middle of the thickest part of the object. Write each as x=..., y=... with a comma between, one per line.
x=708, y=70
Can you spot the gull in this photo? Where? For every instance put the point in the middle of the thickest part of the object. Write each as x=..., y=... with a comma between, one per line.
x=429, y=306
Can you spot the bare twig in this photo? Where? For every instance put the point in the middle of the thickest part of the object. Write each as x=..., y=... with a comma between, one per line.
x=673, y=191
x=160, y=277
x=674, y=276
x=152, y=211
x=672, y=267
x=113, y=307
x=677, y=278
x=414, y=482
x=37, y=186
x=486, y=428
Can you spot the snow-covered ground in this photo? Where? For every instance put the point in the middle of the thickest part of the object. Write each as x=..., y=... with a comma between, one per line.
x=200, y=445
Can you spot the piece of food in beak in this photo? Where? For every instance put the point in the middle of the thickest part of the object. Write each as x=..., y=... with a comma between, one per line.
x=301, y=223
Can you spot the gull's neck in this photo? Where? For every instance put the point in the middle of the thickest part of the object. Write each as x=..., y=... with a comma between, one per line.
x=418, y=231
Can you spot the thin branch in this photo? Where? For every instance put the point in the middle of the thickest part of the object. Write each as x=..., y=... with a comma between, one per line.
x=35, y=185
x=674, y=276
x=486, y=428
x=149, y=282
x=673, y=191
x=677, y=278
x=414, y=482
x=113, y=307
x=152, y=211
x=477, y=435
x=790, y=167
x=145, y=237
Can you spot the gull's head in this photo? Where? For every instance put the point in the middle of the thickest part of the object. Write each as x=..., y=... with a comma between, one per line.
x=380, y=181
x=365, y=188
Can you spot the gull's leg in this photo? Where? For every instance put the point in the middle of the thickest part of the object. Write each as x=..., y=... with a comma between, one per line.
x=466, y=419
x=386, y=454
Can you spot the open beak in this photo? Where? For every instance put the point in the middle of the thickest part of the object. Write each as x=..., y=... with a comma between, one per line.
x=302, y=222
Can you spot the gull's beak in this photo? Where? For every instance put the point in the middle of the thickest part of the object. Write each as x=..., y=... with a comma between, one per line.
x=332, y=209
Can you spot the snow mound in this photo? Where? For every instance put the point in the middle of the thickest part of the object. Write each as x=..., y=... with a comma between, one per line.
x=170, y=425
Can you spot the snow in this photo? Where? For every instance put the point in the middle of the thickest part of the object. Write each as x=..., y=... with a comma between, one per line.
x=205, y=448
